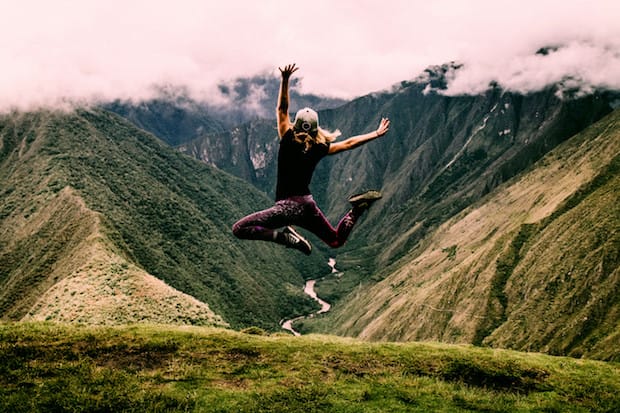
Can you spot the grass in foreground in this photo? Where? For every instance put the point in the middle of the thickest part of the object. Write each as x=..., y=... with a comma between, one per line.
x=48, y=367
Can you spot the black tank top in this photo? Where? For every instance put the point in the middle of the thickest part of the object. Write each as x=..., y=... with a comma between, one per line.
x=296, y=165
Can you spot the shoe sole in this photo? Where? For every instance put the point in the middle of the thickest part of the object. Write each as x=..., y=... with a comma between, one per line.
x=301, y=239
x=366, y=196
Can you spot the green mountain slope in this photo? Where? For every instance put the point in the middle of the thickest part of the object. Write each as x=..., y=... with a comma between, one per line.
x=533, y=266
x=442, y=154
x=88, y=198
x=173, y=120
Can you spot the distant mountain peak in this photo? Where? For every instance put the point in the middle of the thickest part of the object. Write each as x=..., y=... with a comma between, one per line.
x=547, y=50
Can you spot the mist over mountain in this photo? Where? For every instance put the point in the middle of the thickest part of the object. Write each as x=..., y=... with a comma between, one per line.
x=176, y=118
x=94, y=52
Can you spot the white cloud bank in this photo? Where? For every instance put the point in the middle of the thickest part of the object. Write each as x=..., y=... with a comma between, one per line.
x=57, y=51
x=577, y=65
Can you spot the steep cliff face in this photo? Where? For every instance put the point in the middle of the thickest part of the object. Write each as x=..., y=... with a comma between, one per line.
x=248, y=151
x=445, y=152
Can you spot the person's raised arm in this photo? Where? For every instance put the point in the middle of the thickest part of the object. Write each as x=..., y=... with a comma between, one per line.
x=358, y=140
x=284, y=122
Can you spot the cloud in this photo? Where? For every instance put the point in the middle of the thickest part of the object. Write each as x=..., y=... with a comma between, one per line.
x=577, y=65
x=64, y=51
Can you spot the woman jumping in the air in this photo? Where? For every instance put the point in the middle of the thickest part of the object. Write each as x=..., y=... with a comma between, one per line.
x=302, y=145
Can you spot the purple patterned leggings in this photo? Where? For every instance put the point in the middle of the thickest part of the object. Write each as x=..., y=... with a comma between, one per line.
x=300, y=211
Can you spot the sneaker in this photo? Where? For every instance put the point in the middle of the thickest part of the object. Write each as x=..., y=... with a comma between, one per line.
x=363, y=201
x=295, y=240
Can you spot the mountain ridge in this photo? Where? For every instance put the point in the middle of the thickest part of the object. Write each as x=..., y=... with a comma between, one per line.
x=176, y=117
x=162, y=214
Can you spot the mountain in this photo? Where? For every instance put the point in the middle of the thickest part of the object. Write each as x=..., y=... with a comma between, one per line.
x=534, y=265
x=173, y=119
x=255, y=97
x=443, y=156
x=248, y=151
x=101, y=222
x=176, y=117
x=498, y=224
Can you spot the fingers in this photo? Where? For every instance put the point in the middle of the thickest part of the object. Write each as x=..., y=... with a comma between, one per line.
x=384, y=126
x=288, y=69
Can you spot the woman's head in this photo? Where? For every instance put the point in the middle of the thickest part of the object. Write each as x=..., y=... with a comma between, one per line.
x=307, y=123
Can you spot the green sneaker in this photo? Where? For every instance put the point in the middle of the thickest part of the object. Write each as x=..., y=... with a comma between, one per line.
x=363, y=201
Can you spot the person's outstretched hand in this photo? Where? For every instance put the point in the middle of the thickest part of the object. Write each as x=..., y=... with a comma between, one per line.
x=384, y=126
x=288, y=70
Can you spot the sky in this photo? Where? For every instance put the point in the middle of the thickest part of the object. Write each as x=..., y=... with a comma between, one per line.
x=61, y=51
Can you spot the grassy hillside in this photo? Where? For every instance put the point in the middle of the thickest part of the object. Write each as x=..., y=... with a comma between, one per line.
x=534, y=266
x=92, y=209
x=48, y=367
x=60, y=267
x=562, y=276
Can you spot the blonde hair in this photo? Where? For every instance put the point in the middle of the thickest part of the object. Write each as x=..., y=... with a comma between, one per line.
x=322, y=137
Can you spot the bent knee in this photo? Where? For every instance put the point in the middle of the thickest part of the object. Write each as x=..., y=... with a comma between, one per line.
x=237, y=229
x=336, y=243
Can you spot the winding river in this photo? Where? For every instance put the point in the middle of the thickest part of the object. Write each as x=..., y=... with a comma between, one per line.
x=309, y=290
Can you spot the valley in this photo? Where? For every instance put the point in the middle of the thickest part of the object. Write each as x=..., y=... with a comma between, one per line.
x=497, y=210
x=309, y=291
